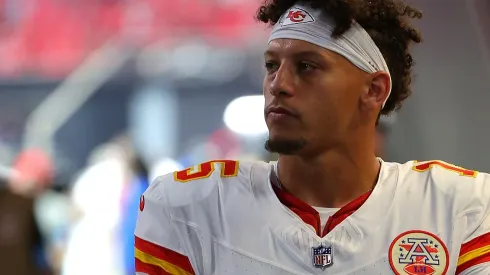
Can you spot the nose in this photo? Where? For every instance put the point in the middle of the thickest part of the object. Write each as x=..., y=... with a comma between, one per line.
x=282, y=82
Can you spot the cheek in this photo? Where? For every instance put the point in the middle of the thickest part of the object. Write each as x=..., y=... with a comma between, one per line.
x=325, y=112
x=321, y=111
x=267, y=97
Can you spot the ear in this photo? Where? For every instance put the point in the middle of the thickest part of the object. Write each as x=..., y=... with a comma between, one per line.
x=378, y=92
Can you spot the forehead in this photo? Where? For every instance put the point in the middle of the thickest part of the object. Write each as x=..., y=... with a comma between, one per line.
x=291, y=47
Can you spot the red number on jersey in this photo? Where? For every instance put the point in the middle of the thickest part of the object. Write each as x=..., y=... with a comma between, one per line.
x=422, y=167
x=229, y=168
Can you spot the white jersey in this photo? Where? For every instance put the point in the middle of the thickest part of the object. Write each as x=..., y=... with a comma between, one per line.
x=225, y=217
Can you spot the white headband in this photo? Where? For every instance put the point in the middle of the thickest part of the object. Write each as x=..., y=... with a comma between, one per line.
x=304, y=23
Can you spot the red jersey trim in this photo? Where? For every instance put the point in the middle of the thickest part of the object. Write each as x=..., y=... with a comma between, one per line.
x=150, y=256
x=310, y=216
x=474, y=252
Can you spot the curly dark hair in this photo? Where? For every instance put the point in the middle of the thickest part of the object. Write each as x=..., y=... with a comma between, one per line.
x=386, y=21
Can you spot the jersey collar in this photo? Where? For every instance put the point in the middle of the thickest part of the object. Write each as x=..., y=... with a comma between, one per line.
x=283, y=210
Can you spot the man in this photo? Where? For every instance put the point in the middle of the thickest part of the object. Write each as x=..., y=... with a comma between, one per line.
x=328, y=206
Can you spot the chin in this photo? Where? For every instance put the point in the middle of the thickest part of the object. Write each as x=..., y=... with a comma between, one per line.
x=283, y=145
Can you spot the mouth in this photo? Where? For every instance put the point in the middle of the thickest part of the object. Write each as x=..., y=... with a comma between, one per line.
x=279, y=111
x=280, y=115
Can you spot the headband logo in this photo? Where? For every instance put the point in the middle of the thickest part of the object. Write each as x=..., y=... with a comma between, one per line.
x=296, y=16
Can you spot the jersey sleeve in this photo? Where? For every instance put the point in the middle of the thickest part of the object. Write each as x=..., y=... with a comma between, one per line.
x=157, y=248
x=474, y=257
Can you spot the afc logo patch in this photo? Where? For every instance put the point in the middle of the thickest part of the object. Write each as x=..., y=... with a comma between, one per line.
x=418, y=252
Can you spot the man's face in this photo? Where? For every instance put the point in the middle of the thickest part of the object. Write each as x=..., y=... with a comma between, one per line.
x=311, y=96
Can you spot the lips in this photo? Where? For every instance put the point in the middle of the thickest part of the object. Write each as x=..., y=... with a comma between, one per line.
x=279, y=111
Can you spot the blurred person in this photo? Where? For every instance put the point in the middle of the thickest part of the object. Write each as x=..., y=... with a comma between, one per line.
x=137, y=184
x=52, y=212
x=96, y=195
x=328, y=205
x=22, y=247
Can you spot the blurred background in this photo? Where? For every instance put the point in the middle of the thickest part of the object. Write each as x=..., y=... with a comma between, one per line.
x=98, y=97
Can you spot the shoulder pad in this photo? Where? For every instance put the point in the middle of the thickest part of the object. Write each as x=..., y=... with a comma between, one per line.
x=454, y=182
x=197, y=183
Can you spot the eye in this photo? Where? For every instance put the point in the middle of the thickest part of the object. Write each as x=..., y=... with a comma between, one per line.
x=270, y=66
x=305, y=66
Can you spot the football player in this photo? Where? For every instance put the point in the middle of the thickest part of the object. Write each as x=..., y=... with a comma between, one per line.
x=328, y=205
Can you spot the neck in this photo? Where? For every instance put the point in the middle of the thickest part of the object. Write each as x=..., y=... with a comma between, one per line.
x=332, y=179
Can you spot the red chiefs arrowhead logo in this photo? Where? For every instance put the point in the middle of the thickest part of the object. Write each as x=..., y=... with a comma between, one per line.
x=142, y=203
x=296, y=16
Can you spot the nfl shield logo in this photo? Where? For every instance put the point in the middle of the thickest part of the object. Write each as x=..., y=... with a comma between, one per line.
x=322, y=256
